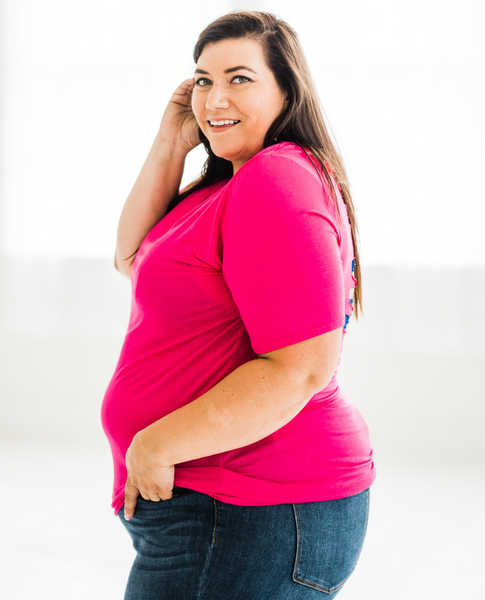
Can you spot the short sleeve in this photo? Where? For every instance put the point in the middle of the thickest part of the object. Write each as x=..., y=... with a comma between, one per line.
x=281, y=257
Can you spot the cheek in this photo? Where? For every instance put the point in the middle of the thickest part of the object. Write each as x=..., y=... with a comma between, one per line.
x=196, y=106
x=255, y=116
x=259, y=112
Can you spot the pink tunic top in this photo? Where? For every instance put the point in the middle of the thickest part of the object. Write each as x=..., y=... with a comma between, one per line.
x=245, y=266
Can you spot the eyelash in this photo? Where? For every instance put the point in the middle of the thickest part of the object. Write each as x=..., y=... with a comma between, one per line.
x=205, y=78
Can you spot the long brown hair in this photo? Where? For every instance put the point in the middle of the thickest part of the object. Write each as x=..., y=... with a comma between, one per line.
x=301, y=123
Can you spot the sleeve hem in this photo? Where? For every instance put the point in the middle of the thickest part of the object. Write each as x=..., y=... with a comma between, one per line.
x=294, y=338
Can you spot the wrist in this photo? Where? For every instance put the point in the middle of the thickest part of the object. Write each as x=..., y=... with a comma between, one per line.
x=168, y=151
x=148, y=440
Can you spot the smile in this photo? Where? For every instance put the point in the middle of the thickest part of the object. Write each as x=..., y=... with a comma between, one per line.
x=223, y=124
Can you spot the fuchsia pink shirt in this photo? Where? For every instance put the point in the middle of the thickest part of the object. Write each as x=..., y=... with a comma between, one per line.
x=245, y=266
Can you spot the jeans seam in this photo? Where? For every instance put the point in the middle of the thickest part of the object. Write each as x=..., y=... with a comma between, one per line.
x=368, y=510
x=215, y=521
x=319, y=587
x=210, y=551
x=364, y=532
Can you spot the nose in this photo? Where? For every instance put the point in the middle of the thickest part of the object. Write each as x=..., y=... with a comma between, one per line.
x=216, y=99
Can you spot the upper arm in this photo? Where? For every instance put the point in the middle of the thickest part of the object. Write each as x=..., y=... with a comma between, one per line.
x=314, y=359
x=281, y=261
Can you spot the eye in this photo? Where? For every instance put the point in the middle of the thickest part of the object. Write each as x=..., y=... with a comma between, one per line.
x=205, y=79
x=241, y=77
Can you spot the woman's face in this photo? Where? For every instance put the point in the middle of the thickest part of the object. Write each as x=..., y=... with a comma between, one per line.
x=248, y=94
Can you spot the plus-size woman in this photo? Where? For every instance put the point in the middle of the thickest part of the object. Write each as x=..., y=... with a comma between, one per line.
x=241, y=469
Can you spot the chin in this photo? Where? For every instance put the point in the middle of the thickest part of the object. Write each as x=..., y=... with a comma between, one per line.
x=224, y=153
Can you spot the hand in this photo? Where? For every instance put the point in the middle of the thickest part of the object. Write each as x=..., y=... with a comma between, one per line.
x=179, y=126
x=147, y=475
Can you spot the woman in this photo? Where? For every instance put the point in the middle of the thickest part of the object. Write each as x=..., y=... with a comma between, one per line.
x=226, y=384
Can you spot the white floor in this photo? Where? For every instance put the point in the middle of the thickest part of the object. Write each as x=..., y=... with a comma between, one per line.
x=413, y=367
x=61, y=540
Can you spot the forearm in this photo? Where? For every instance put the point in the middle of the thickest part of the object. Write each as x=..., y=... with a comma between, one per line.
x=157, y=183
x=249, y=404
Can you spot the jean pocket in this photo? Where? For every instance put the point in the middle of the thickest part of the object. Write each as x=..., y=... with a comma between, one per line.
x=330, y=536
x=177, y=491
x=181, y=491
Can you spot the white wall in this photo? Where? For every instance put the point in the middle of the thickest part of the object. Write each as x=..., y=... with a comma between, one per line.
x=84, y=86
x=413, y=364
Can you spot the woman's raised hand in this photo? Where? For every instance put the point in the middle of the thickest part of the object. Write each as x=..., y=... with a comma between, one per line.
x=179, y=126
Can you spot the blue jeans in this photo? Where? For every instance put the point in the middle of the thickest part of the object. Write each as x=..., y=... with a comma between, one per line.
x=193, y=547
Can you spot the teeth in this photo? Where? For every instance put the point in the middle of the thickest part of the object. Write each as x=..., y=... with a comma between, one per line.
x=216, y=123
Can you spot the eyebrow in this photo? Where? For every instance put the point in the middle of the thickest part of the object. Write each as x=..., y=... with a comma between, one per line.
x=231, y=70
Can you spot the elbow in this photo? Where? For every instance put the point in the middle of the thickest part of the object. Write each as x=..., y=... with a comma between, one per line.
x=319, y=381
x=319, y=378
x=316, y=380
x=123, y=269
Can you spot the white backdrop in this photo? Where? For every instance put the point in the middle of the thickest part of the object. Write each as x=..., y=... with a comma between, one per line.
x=85, y=83
x=83, y=87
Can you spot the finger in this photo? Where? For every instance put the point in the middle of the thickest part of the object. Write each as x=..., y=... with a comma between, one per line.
x=167, y=497
x=187, y=83
x=185, y=87
x=154, y=496
x=131, y=494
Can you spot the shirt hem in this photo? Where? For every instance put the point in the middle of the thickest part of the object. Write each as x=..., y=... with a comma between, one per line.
x=242, y=490
x=263, y=347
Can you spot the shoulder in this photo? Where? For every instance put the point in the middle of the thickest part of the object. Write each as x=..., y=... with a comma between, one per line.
x=280, y=182
x=281, y=162
x=279, y=176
